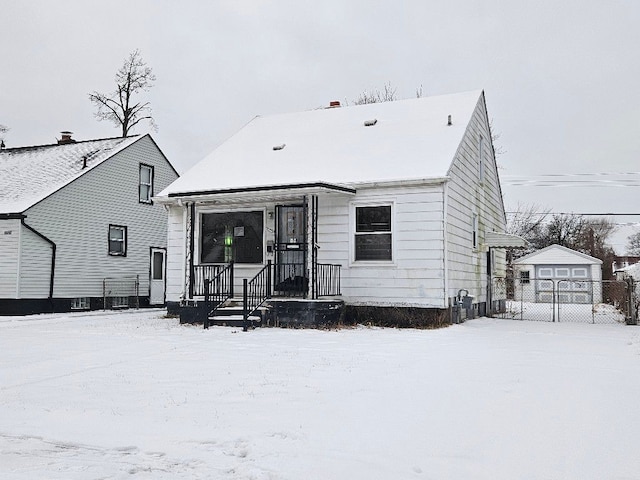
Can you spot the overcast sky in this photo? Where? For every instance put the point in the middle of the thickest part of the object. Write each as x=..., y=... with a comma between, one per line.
x=561, y=78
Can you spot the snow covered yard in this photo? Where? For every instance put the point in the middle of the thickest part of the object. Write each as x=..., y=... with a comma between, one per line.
x=135, y=395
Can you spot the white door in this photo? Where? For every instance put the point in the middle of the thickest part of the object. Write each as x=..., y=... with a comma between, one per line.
x=157, y=282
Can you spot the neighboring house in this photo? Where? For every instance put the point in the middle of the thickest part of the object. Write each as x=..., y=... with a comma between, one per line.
x=73, y=214
x=620, y=262
x=390, y=204
x=559, y=274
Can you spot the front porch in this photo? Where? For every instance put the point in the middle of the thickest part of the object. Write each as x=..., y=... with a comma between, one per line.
x=270, y=298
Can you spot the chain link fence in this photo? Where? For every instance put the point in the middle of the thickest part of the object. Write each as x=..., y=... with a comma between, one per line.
x=122, y=292
x=568, y=300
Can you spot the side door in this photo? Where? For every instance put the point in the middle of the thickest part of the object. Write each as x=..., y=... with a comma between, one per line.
x=157, y=280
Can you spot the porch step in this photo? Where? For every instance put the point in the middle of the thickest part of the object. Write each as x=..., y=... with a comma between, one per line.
x=231, y=315
x=235, y=320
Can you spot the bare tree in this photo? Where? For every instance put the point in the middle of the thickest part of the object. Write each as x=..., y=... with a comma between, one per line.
x=120, y=107
x=388, y=94
x=633, y=244
x=495, y=136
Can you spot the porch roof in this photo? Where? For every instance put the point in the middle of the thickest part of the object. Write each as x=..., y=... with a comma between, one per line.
x=504, y=240
x=265, y=193
x=380, y=142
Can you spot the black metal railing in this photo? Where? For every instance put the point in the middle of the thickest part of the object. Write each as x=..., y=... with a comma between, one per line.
x=205, y=272
x=256, y=291
x=218, y=290
x=327, y=280
x=291, y=280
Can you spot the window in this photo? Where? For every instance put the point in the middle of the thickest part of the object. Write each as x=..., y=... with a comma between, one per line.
x=525, y=278
x=80, y=303
x=236, y=236
x=545, y=272
x=146, y=183
x=474, y=231
x=481, y=158
x=117, y=240
x=373, y=233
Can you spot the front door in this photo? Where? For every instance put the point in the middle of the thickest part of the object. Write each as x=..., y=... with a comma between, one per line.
x=157, y=281
x=291, y=251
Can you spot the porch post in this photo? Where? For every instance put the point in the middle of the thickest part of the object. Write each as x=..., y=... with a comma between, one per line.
x=190, y=226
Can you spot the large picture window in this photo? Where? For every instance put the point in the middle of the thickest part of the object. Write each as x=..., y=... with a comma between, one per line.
x=232, y=236
x=373, y=233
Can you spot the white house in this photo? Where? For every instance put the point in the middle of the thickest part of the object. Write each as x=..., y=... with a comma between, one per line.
x=391, y=204
x=78, y=224
x=559, y=274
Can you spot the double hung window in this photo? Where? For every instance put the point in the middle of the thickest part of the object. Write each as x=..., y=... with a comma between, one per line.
x=146, y=183
x=373, y=237
x=117, y=240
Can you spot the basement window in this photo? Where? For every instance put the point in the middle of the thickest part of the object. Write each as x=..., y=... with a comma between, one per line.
x=80, y=303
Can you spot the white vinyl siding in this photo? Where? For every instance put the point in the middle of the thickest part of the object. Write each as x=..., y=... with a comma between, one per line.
x=35, y=265
x=176, y=253
x=77, y=219
x=415, y=276
x=9, y=255
x=469, y=196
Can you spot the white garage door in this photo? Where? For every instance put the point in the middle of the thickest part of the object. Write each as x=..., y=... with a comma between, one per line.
x=572, y=283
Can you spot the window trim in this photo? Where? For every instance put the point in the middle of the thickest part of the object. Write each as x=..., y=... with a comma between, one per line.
x=123, y=228
x=150, y=185
x=353, y=233
x=475, y=231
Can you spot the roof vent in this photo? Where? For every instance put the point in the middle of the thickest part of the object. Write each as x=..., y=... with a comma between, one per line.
x=334, y=104
x=66, y=138
x=280, y=147
x=370, y=123
x=449, y=120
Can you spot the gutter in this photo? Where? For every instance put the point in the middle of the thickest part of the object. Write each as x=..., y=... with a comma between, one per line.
x=53, y=253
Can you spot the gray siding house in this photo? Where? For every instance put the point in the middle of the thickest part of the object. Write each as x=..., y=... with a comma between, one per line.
x=375, y=207
x=78, y=224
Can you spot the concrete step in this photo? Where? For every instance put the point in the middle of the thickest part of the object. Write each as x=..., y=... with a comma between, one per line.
x=235, y=320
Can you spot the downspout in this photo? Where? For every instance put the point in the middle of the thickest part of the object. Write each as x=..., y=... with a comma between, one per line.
x=53, y=256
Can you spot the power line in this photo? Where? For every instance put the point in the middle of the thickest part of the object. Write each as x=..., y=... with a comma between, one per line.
x=598, y=179
x=604, y=214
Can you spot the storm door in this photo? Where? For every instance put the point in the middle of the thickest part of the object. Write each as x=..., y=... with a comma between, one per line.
x=157, y=281
x=291, y=251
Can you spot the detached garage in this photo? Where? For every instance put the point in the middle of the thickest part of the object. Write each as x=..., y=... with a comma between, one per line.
x=572, y=276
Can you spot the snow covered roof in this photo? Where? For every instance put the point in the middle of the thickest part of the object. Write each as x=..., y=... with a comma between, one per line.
x=400, y=140
x=631, y=270
x=30, y=174
x=557, y=254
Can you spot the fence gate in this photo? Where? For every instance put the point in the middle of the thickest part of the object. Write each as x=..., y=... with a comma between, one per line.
x=567, y=300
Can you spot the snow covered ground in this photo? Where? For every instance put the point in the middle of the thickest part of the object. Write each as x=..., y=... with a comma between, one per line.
x=135, y=395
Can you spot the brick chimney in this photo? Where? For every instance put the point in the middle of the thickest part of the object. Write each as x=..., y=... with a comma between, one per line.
x=66, y=138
